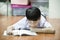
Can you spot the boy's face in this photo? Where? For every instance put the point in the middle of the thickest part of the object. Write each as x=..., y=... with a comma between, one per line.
x=33, y=24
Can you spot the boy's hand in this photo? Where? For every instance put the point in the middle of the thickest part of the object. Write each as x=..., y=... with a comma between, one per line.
x=9, y=30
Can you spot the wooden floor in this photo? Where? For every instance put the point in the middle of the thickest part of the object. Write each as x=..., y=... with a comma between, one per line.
x=6, y=21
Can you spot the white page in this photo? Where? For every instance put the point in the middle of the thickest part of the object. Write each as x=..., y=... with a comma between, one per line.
x=21, y=32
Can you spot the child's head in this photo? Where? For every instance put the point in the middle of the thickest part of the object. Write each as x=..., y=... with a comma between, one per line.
x=33, y=15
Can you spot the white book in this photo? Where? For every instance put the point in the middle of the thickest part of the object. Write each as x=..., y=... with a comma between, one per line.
x=20, y=33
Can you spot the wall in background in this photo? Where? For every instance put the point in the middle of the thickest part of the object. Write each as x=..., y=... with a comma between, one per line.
x=42, y=4
x=40, y=0
x=54, y=8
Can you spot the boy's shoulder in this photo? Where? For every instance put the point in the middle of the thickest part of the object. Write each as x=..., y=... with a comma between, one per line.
x=42, y=19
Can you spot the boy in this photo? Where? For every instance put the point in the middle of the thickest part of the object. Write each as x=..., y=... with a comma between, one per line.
x=33, y=19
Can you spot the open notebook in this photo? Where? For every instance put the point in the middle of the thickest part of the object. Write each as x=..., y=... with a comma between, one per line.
x=30, y=32
x=20, y=33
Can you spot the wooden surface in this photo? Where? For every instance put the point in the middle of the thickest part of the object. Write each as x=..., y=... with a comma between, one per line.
x=6, y=21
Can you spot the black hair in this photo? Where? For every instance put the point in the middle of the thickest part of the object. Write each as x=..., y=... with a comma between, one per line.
x=33, y=13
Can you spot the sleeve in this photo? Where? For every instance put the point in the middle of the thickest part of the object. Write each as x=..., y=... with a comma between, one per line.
x=47, y=25
x=20, y=24
x=44, y=23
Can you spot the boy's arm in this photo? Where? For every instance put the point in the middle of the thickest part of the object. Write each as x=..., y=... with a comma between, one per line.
x=9, y=30
x=20, y=24
x=47, y=25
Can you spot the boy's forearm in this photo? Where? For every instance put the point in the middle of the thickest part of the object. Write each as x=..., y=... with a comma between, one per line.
x=47, y=25
x=9, y=29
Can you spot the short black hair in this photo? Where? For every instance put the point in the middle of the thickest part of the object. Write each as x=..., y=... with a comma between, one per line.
x=33, y=13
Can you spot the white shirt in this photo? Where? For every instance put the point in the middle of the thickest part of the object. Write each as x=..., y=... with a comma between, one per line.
x=23, y=23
